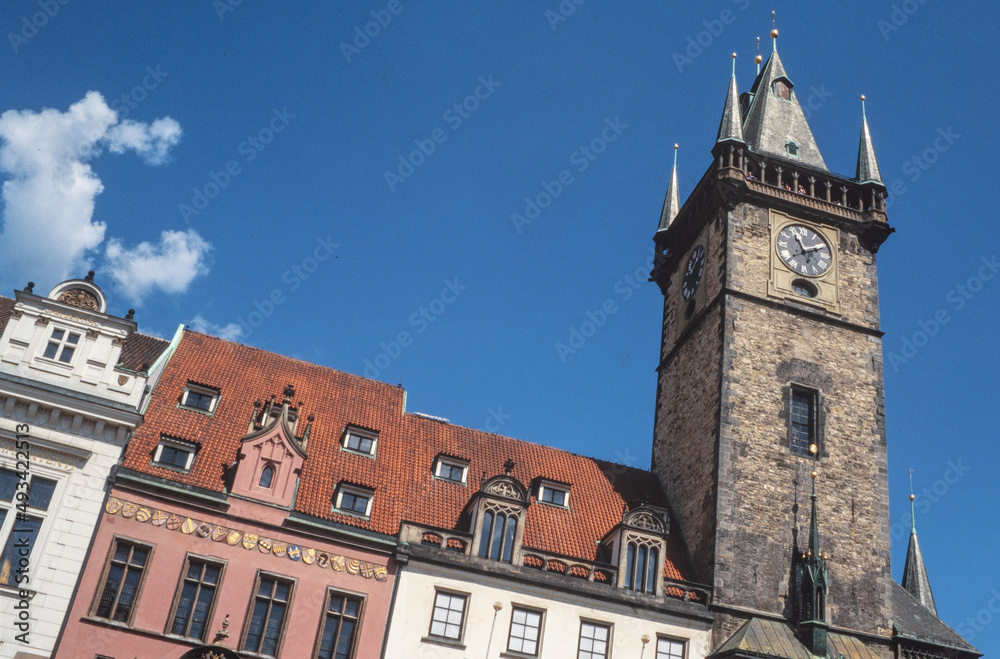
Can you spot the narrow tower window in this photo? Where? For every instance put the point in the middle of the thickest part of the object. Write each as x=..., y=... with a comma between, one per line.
x=792, y=149
x=802, y=421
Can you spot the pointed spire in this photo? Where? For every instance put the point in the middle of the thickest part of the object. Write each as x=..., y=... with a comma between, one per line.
x=775, y=123
x=731, y=126
x=867, y=164
x=672, y=204
x=915, y=579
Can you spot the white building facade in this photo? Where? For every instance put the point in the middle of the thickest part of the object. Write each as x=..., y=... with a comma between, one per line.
x=72, y=380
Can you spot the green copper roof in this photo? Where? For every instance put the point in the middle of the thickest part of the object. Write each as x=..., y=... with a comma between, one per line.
x=764, y=637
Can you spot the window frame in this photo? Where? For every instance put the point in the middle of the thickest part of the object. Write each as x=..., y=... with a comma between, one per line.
x=201, y=390
x=510, y=629
x=278, y=578
x=683, y=642
x=465, y=616
x=453, y=463
x=61, y=345
x=182, y=580
x=789, y=145
x=652, y=566
x=176, y=444
x=552, y=486
x=357, y=491
x=324, y=615
x=102, y=584
x=815, y=420
x=362, y=433
x=595, y=623
x=10, y=512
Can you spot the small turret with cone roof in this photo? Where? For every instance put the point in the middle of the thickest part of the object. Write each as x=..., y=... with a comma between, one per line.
x=915, y=579
x=671, y=204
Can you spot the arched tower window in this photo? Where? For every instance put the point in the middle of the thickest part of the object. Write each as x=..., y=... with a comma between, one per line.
x=641, y=566
x=792, y=149
x=266, y=476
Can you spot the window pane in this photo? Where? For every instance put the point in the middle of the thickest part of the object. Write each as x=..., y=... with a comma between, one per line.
x=184, y=606
x=345, y=640
x=110, y=590
x=57, y=335
x=266, y=476
x=8, y=484
x=256, y=626
x=66, y=355
x=200, y=616
x=40, y=494
x=487, y=532
x=654, y=567
x=50, y=351
x=508, y=539
x=127, y=596
x=22, y=537
x=640, y=568
x=668, y=649
x=73, y=338
x=630, y=566
x=497, y=541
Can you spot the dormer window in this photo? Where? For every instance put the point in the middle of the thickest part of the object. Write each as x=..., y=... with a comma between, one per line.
x=174, y=454
x=451, y=469
x=498, y=532
x=62, y=344
x=353, y=500
x=782, y=89
x=792, y=149
x=640, y=543
x=266, y=476
x=200, y=398
x=553, y=494
x=359, y=440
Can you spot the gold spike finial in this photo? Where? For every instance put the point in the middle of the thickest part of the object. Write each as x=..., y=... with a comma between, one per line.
x=774, y=34
x=862, y=97
x=675, y=146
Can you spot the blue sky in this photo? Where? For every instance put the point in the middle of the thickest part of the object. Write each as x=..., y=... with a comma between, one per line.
x=262, y=208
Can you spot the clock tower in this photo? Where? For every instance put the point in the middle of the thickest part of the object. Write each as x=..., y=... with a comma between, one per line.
x=771, y=369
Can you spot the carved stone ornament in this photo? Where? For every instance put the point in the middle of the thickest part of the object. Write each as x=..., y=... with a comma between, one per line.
x=93, y=334
x=16, y=313
x=645, y=519
x=117, y=342
x=42, y=321
x=122, y=379
x=79, y=297
x=506, y=487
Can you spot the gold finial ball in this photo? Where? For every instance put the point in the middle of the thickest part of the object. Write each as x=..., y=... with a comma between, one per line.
x=774, y=34
x=734, y=55
x=862, y=97
x=813, y=448
x=644, y=639
x=758, y=59
x=814, y=474
x=675, y=146
x=912, y=497
x=497, y=606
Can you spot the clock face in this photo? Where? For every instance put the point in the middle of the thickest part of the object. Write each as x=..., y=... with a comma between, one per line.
x=692, y=273
x=803, y=250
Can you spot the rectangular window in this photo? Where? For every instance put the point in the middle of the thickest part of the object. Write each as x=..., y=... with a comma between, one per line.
x=267, y=615
x=199, y=398
x=448, y=616
x=174, y=454
x=451, y=469
x=122, y=581
x=668, y=648
x=594, y=641
x=19, y=531
x=525, y=631
x=802, y=421
x=353, y=500
x=360, y=441
x=62, y=344
x=340, y=626
x=194, y=603
x=553, y=495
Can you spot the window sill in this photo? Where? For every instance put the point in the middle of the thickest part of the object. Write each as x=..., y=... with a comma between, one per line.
x=446, y=642
x=516, y=655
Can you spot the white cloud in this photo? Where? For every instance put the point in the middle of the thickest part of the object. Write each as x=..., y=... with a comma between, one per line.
x=231, y=332
x=49, y=232
x=169, y=266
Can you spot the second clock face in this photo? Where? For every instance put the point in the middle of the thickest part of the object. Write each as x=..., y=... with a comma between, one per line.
x=692, y=273
x=803, y=250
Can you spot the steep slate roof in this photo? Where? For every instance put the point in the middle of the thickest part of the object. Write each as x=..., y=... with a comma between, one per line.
x=401, y=473
x=912, y=621
x=671, y=203
x=771, y=122
x=867, y=169
x=731, y=126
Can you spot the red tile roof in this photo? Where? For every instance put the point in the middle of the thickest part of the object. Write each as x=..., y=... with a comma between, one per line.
x=402, y=472
x=140, y=351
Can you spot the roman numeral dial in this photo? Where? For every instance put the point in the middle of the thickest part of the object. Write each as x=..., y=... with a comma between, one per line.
x=692, y=273
x=803, y=251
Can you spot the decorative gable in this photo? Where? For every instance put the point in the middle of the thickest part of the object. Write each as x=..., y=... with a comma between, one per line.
x=270, y=460
x=637, y=546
